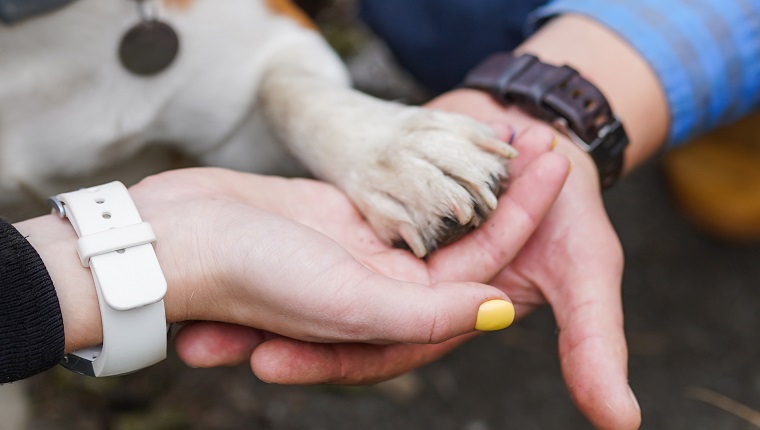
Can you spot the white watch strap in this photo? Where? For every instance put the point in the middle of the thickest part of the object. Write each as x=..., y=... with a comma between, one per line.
x=117, y=246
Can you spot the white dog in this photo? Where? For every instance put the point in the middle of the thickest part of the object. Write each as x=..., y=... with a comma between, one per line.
x=248, y=74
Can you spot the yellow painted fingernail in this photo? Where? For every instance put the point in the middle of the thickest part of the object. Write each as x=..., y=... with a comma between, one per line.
x=555, y=142
x=495, y=315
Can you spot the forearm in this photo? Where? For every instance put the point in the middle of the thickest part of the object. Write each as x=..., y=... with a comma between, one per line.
x=623, y=76
x=55, y=241
x=613, y=66
x=706, y=54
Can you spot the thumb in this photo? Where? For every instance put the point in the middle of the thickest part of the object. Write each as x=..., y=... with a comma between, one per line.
x=593, y=353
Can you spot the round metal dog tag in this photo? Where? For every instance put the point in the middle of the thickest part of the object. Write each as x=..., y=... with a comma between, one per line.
x=148, y=48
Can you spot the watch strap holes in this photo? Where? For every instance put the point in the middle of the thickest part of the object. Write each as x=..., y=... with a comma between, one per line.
x=600, y=120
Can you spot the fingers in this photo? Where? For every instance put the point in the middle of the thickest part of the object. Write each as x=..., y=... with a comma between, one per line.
x=594, y=370
x=537, y=182
x=376, y=309
x=576, y=261
x=584, y=292
x=288, y=361
x=593, y=349
x=531, y=143
x=212, y=344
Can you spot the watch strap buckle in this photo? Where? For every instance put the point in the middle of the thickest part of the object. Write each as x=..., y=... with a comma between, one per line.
x=560, y=96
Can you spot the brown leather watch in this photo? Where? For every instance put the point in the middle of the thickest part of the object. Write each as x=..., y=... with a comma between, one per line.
x=560, y=96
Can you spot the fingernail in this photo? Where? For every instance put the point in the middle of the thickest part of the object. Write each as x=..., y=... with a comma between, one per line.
x=495, y=315
x=633, y=397
x=555, y=141
x=512, y=135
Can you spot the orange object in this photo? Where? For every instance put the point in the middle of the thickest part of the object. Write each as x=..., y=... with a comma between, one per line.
x=287, y=8
x=716, y=181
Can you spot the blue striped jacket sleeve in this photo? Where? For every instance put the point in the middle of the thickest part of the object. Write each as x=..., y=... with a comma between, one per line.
x=706, y=53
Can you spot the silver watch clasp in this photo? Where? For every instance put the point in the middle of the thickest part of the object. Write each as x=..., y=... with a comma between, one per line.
x=57, y=205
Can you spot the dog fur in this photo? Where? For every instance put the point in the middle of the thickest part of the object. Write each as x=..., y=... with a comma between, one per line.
x=250, y=86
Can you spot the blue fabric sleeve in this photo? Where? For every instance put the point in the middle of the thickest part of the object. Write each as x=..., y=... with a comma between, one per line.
x=16, y=10
x=706, y=53
x=438, y=41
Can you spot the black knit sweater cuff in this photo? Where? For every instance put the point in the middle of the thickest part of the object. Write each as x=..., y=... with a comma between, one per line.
x=31, y=324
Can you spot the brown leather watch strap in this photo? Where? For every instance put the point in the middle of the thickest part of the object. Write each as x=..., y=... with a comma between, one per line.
x=562, y=97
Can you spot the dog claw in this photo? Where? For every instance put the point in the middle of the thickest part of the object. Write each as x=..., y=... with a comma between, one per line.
x=463, y=213
x=413, y=240
x=488, y=196
x=499, y=147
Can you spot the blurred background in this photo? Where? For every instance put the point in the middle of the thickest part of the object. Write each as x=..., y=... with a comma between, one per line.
x=691, y=311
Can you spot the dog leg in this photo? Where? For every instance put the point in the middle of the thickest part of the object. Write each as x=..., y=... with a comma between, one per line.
x=421, y=178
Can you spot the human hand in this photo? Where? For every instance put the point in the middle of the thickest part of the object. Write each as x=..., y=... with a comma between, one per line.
x=268, y=272
x=573, y=262
x=227, y=260
x=537, y=178
x=285, y=360
x=575, y=243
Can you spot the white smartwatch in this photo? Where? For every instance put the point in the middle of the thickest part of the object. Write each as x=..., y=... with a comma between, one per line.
x=117, y=246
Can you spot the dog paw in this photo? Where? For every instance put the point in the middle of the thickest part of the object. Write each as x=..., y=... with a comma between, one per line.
x=437, y=177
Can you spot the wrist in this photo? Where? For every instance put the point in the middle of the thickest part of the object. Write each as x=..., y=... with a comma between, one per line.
x=200, y=281
x=55, y=242
x=194, y=277
x=186, y=274
x=583, y=170
x=615, y=68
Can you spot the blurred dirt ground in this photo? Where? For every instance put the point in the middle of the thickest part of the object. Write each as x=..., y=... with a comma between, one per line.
x=691, y=307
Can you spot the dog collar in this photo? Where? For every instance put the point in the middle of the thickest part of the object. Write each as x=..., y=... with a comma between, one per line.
x=151, y=45
x=146, y=49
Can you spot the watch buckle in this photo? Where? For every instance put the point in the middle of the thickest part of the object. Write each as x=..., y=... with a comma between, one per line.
x=561, y=125
x=57, y=205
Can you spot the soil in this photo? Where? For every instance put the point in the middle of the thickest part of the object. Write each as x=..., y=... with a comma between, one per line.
x=691, y=315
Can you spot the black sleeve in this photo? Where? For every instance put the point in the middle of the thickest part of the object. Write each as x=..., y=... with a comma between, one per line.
x=31, y=324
